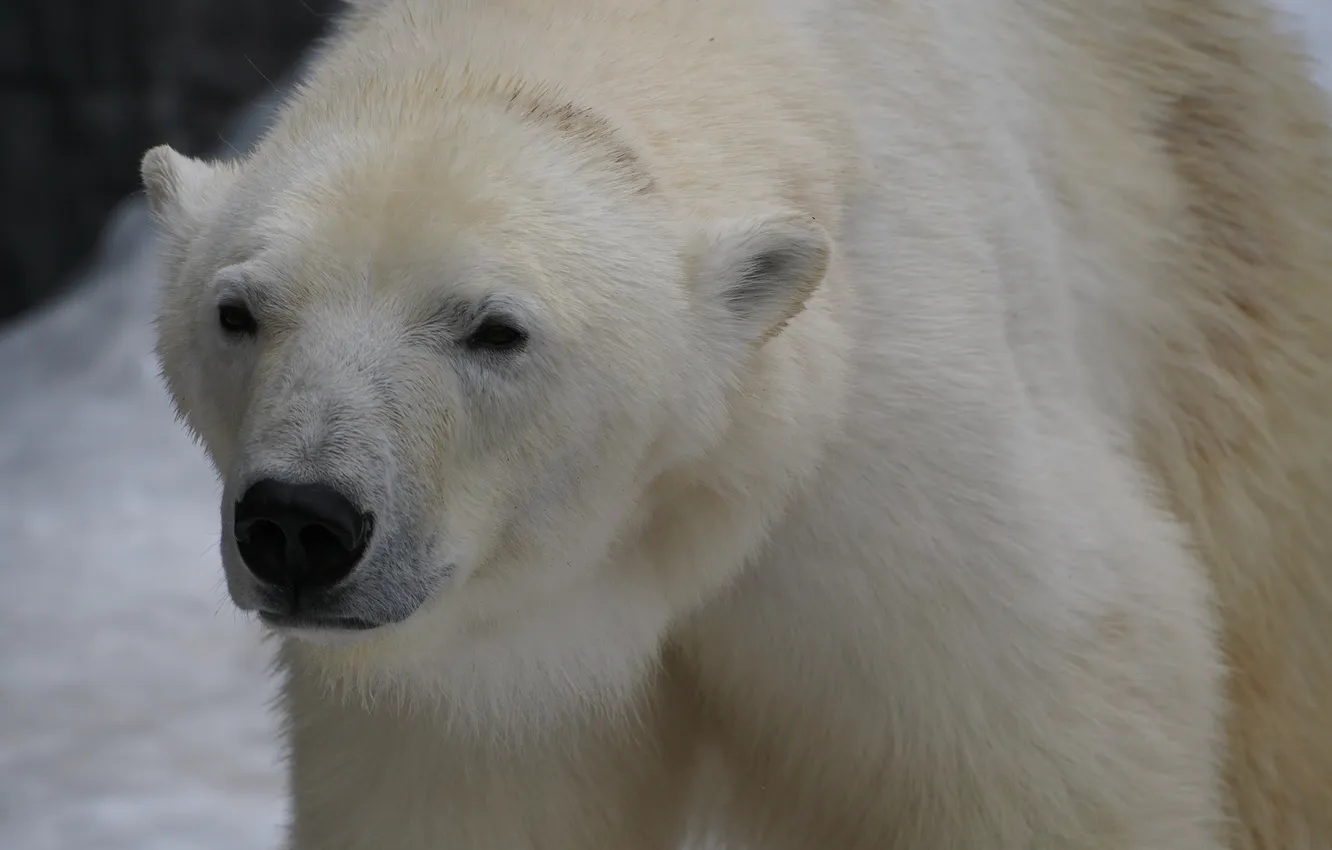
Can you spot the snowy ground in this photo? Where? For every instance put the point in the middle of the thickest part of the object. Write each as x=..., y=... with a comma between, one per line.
x=132, y=697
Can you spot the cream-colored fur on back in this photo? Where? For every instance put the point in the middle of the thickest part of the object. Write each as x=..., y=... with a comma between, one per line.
x=999, y=528
x=1204, y=171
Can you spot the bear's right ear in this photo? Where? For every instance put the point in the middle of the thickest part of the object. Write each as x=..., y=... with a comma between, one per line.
x=180, y=189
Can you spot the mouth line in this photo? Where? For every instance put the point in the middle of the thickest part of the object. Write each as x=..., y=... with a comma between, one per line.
x=302, y=621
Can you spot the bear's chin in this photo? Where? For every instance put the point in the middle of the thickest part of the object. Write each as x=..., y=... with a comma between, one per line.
x=298, y=623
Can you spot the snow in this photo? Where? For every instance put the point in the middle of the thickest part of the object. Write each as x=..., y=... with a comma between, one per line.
x=133, y=699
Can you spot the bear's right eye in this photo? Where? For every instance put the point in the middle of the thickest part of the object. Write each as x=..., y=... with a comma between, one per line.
x=496, y=335
x=236, y=319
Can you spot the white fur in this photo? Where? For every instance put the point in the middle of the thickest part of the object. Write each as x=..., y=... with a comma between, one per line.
x=864, y=525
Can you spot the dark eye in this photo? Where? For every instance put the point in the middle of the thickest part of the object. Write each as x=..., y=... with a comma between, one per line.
x=496, y=335
x=236, y=319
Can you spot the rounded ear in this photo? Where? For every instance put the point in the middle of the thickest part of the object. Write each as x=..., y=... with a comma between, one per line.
x=180, y=189
x=761, y=270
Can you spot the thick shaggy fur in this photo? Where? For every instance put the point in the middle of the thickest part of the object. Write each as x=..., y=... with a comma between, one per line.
x=1214, y=198
x=922, y=441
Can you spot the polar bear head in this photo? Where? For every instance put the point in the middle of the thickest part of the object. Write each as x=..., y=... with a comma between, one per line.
x=475, y=359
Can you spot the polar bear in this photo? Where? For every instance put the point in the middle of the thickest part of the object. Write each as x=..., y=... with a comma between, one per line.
x=791, y=423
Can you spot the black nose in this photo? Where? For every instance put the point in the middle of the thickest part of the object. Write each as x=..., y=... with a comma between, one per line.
x=305, y=535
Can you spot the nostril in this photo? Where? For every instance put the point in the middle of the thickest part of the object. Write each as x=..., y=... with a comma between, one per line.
x=323, y=545
x=263, y=547
x=325, y=534
x=299, y=534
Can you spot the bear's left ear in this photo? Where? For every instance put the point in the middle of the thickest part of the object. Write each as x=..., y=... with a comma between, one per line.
x=180, y=189
x=760, y=271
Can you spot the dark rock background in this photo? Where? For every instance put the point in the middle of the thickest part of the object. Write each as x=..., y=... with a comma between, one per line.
x=86, y=86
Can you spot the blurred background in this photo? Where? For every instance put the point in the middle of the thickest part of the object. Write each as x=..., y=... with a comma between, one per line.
x=133, y=699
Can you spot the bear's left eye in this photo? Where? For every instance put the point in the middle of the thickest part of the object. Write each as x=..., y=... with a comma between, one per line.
x=496, y=335
x=236, y=319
